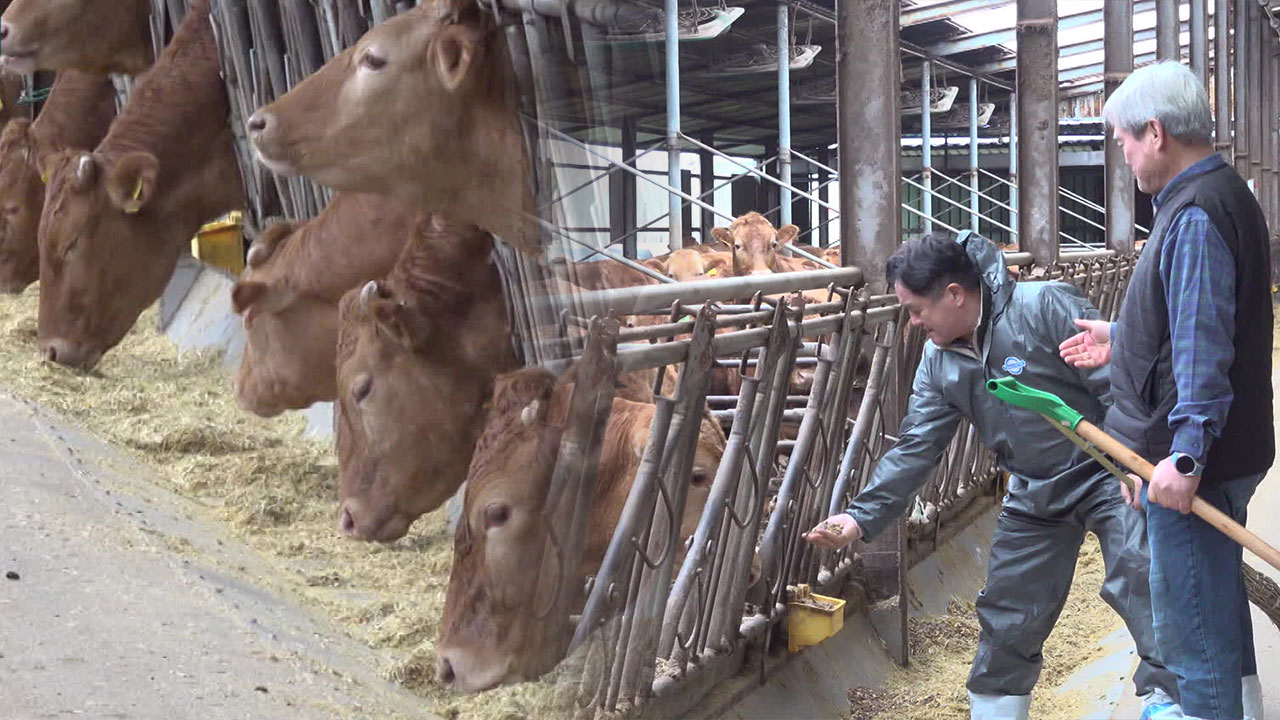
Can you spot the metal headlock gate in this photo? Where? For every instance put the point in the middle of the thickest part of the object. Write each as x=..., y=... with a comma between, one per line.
x=663, y=620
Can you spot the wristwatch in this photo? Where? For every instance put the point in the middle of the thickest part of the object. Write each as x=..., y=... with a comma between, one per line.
x=1186, y=465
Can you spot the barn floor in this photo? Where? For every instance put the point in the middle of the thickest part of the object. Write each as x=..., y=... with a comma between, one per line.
x=120, y=602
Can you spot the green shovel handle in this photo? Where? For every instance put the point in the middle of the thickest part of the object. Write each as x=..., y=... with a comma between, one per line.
x=1051, y=406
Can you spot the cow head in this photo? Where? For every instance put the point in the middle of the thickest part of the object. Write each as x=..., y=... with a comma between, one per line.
x=438, y=78
x=494, y=629
x=754, y=242
x=92, y=35
x=100, y=263
x=688, y=264
x=290, y=340
x=21, y=195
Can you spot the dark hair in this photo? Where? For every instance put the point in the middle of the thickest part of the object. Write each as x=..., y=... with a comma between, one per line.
x=928, y=265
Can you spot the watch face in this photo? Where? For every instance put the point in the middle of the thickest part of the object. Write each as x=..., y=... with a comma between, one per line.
x=1184, y=464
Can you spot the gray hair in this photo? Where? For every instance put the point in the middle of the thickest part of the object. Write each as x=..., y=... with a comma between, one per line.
x=1166, y=91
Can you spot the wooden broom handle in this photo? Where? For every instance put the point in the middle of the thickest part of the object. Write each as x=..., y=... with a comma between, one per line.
x=1207, y=512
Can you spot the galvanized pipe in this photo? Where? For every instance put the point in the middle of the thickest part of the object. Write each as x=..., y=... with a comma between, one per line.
x=1167, y=43
x=675, y=219
x=784, y=111
x=926, y=144
x=1222, y=78
x=1038, y=129
x=973, y=154
x=1200, y=41
x=1014, y=190
x=1239, y=78
x=1270, y=163
x=1251, y=85
x=867, y=69
x=1118, y=59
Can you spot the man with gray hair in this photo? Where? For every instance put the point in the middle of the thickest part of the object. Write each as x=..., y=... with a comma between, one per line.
x=1191, y=381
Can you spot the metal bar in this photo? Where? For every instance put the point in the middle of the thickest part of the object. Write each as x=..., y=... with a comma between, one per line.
x=1222, y=79
x=1256, y=115
x=1007, y=36
x=973, y=155
x=707, y=167
x=629, y=301
x=672, y=24
x=926, y=144
x=869, y=147
x=1119, y=214
x=784, y=111
x=1072, y=49
x=1013, y=154
x=919, y=214
x=949, y=201
x=943, y=10
x=1038, y=128
x=824, y=194
x=758, y=173
x=1200, y=41
x=1239, y=77
x=1167, y=44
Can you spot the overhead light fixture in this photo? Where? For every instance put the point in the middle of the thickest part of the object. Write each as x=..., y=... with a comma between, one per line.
x=763, y=58
x=958, y=116
x=697, y=23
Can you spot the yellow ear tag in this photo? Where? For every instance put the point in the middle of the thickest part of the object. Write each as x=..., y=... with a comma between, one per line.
x=133, y=207
x=713, y=272
x=44, y=178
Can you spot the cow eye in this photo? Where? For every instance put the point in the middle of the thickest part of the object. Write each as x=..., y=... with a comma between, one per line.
x=737, y=246
x=362, y=387
x=371, y=61
x=775, y=243
x=496, y=515
x=699, y=478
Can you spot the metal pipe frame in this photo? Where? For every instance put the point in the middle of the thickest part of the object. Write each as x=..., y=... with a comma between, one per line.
x=672, y=26
x=973, y=155
x=926, y=144
x=1254, y=80
x=1013, y=155
x=1222, y=79
x=1167, y=43
x=1239, y=79
x=1076, y=48
x=784, y=110
x=975, y=41
x=1200, y=41
x=1038, y=129
x=867, y=69
x=1120, y=212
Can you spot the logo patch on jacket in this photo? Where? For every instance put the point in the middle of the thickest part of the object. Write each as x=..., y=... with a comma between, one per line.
x=1013, y=365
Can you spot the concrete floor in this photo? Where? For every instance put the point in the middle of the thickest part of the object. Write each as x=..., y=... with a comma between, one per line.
x=119, y=601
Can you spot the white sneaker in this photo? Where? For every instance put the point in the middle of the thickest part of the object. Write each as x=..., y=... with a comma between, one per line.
x=999, y=707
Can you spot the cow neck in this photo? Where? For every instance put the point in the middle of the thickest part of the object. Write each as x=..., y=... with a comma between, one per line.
x=79, y=112
x=178, y=111
x=441, y=265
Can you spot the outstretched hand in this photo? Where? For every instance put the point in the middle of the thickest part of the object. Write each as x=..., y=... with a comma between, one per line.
x=1090, y=348
x=835, y=532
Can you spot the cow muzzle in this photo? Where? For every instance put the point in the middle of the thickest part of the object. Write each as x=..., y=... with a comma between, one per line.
x=463, y=672
x=70, y=354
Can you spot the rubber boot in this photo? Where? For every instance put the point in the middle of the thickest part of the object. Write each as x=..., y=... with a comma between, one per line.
x=999, y=707
x=1251, y=689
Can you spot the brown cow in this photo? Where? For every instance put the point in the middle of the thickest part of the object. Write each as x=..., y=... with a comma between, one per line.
x=754, y=243
x=77, y=115
x=115, y=220
x=690, y=264
x=288, y=296
x=603, y=274
x=102, y=36
x=439, y=80
x=417, y=355
x=489, y=634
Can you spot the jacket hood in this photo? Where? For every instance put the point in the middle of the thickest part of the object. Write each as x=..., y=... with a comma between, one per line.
x=989, y=259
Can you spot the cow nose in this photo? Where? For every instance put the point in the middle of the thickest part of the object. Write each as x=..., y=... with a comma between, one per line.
x=444, y=671
x=347, y=523
x=4, y=31
x=258, y=123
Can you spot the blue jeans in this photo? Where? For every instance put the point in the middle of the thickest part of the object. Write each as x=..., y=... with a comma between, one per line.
x=1201, y=609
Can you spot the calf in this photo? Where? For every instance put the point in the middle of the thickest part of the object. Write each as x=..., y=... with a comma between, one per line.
x=288, y=296
x=754, y=243
x=603, y=274
x=417, y=355
x=115, y=220
x=77, y=115
x=490, y=634
x=692, y=264
x=439, y=80
x=101, y=36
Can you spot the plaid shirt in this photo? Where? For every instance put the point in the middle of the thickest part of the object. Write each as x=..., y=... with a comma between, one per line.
x=1199, y=275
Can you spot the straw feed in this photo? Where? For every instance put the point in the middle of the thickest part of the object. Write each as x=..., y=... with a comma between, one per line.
x=932, y=687
x=275, y=489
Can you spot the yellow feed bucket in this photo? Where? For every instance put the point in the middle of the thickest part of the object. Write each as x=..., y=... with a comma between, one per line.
x=811, y=618
x=221, y=243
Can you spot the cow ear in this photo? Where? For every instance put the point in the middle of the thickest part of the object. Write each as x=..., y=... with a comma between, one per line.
x=251, y=297
x=787, y=233
x=268, y=240
x=245, y=293
x=716, y=266
x=456, y=48
x=131, y=182
x=722, y=235
x=656, y=264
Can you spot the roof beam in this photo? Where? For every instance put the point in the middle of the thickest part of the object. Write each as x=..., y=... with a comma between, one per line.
x=1084, y=71
x=1010, y=35
x=942, y=10
x=1079, y=48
